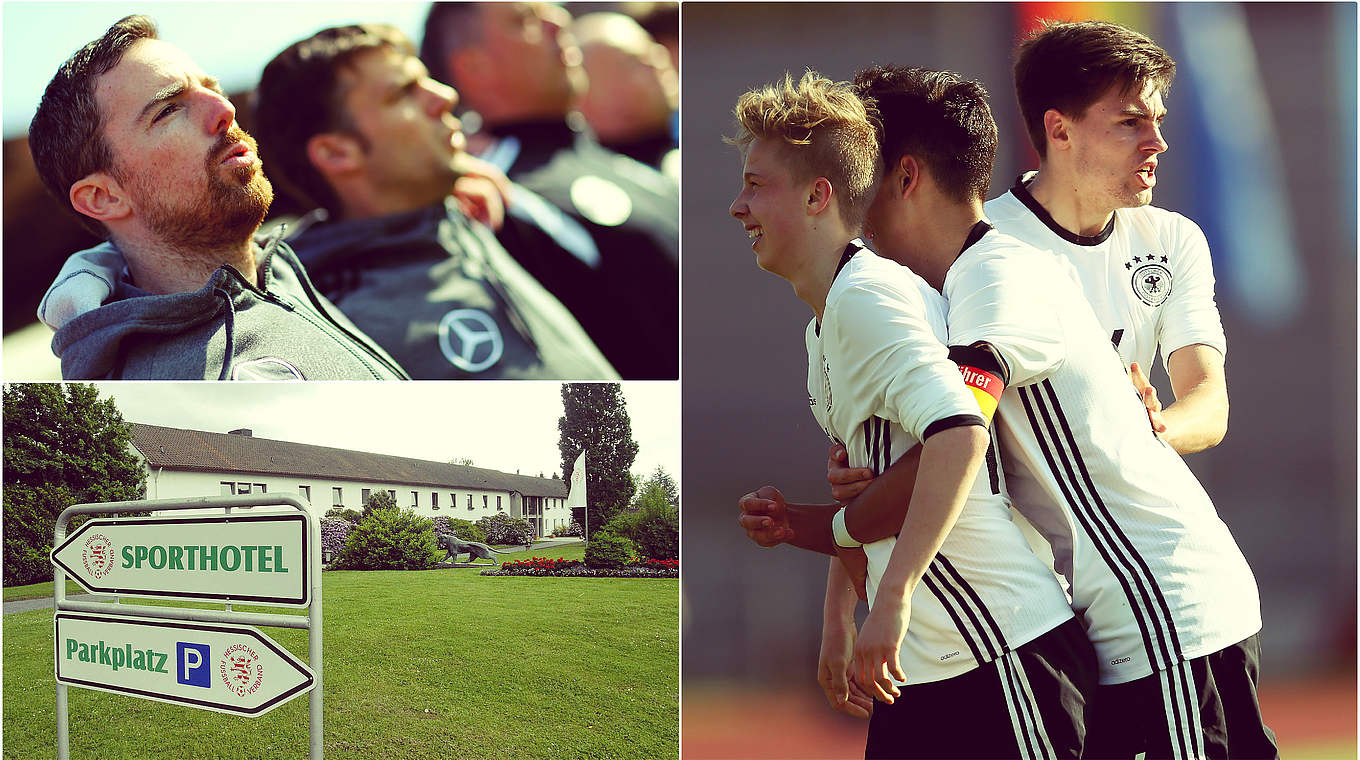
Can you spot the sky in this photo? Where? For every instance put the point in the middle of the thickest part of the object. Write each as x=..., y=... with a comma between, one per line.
x=231, y=41
x=508, y=426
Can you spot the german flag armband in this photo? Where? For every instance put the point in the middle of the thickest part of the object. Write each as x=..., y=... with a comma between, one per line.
x=982, y=373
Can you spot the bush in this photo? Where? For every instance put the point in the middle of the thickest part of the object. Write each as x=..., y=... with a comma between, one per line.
x=606, y=550
x=563, y=568
x=658, y=532
x=378, y=499
x=623, y=524
x=334, y=531
x=463, y=529
x=351, y=516
x=572, y=530
x=503, y=529
x=391, y=539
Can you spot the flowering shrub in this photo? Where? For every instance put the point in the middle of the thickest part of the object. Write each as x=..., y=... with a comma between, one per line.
x=575, y=568
x=503, y=529
x=334, y=531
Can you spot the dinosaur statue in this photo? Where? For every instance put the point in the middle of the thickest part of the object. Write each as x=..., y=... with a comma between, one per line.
x=475, y=550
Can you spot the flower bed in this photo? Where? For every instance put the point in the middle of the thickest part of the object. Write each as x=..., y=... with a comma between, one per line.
x=575, y=568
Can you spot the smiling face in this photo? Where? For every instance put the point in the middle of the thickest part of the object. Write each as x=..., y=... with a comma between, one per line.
x=411, y=139
x=1115, y=148
x=190, y=175
x=771, y=207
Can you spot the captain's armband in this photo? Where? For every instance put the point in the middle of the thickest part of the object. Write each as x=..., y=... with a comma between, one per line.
x=982, y=373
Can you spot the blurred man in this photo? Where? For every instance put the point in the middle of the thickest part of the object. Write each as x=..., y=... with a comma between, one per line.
x=1091, y=95
x=351, y=118
x=880, y=380
x=520, y=73
x=634, y=91
x=146, y=149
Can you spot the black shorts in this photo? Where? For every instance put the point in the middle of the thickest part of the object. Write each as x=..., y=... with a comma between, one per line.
x=1028, y=703
x=1150, y=714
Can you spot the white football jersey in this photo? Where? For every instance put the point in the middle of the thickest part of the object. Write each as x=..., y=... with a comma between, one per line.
x=1148, y=275
x=1154, y=573
x=880, y=381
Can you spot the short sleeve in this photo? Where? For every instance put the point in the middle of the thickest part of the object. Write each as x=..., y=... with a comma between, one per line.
x=1190, y=314
x=1006, y=302
x=881, y=337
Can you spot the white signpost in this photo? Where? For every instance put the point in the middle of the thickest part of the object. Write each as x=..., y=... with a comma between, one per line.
x=216, y=558
x=226, y=668
x=211, y=659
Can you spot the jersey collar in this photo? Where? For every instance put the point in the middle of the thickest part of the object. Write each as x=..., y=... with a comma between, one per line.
x=1021, y=191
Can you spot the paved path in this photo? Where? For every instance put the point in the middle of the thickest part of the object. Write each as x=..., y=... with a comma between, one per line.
x=24, y=605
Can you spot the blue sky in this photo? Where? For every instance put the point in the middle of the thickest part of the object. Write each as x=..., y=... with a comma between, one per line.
x=232, y=41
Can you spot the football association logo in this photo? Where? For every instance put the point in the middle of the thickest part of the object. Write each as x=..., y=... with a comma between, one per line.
x=241, y=670
x=1152, y=284
x=97, y=555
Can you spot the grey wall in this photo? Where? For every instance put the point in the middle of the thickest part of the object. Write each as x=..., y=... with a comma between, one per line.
x=1284, y=479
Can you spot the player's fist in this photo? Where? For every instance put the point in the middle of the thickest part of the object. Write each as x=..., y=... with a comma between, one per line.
x=764, y=517
x=846, y=482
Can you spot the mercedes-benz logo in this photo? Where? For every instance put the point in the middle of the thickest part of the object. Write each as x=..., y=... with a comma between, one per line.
x=470, y=339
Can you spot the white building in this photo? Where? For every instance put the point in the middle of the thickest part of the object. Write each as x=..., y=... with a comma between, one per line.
x=185, y=463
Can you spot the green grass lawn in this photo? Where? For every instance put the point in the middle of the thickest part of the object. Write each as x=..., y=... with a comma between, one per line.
x=39, y=591
x=434, y=664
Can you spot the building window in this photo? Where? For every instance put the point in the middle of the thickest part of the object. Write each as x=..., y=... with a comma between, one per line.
x=337, y=496
x=415, y=499
x=393, y=494
x=498, y=503
x=365, y=493
x=242, y=488
x=469, y=501
x=259, y=488
x=228, y=489
x=434, y=500
x=485, y=503
x=306, y=492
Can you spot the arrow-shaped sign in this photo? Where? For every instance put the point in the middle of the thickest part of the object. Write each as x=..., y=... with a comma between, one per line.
x=213, y=666
x=215, y=558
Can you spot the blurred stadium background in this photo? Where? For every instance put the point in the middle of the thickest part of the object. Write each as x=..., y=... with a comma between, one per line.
x=1262, y=129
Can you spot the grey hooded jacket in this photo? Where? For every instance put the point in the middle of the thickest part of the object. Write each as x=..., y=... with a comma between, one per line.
x=229, y=329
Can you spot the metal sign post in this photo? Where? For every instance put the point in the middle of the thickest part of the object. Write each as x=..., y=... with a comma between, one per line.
x=209, y=659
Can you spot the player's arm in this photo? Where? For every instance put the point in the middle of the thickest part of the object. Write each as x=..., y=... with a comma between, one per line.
x=949, y=464
x=878, y=511
x=1198, y=418
x=769, y=520
x=838, y=645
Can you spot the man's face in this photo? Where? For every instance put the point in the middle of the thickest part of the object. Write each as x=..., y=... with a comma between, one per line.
x=633, y=88
x=535, y=58
x=191, y=175
x=885, y=220
x=1115, y=148
x=771, y=207
x=412, y=139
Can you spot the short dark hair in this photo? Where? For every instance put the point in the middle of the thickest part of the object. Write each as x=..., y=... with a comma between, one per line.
x=448, y=27
x=66, y=136
x=940, y=118
x=1067, y=66
x=299, y=96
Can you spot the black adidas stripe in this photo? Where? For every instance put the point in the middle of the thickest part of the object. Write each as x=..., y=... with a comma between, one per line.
x=1161, y=643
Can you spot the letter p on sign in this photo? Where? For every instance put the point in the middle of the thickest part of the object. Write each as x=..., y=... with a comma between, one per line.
x=192, y=660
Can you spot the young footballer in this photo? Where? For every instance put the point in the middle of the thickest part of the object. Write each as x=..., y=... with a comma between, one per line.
x=961, y=612
x=1091, y=95
x=1165, y=595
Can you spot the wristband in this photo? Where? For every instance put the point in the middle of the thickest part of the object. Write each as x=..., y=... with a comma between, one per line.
x=840, y=533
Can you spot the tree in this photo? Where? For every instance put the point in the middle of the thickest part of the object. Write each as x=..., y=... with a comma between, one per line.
x=391, y=539
x=595, y=419
x=380, y=498
x=63, y=445
x=661, y=482
x=467, y=461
